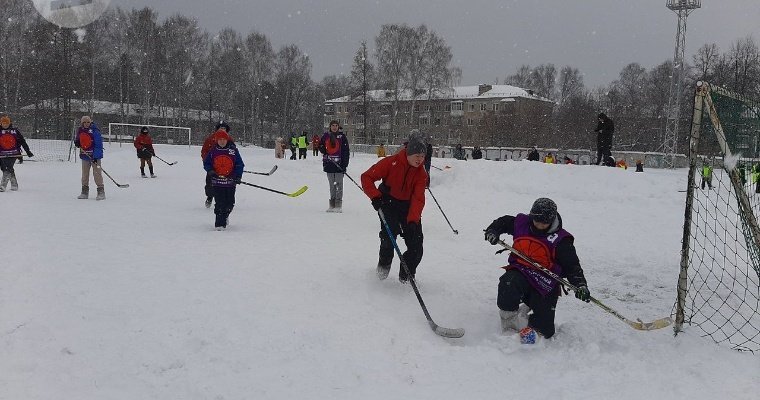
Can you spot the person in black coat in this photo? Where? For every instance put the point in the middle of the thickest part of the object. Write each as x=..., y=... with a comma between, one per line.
x=604, y=130
x=533, y=155
x=477, y=153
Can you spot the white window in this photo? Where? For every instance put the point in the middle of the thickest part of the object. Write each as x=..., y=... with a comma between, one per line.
x=456, y=106
x=496, y=106
x=482, y=106
x=472, y=107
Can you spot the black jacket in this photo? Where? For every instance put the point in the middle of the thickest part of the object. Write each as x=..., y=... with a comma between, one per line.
x=533, y=155
x=564, y=256
x=477, y=154
x=604, y=129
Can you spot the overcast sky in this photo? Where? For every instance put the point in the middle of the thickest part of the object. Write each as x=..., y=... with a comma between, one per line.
x=490, y=39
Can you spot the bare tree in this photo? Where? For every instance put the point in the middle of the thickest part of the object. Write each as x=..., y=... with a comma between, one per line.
x=260, y=59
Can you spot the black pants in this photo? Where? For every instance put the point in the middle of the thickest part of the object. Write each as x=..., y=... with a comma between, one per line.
x=208, y=188
x=315, y=152
x=396, y=217
x=706, y=181
x=225, y=202
x=514, y=289
x=292, y=153
x=302, y=153
x=6, y=165
x=602, y=152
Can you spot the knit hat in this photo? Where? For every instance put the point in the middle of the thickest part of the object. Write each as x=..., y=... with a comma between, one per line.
x=5, y=120
x=221, y=134
x=416, y=145
x=144, y=129
x=544, y=210
x=224, y=125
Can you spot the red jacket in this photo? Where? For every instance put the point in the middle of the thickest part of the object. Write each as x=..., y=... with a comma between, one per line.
x=315, y=142
x=209, y=143
x=406, y=183
x=144, y=142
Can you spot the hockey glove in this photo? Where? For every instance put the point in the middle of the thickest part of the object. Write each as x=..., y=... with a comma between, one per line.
x=377, y=203
x=583, y=294
x=238, y=180
x=492, y=237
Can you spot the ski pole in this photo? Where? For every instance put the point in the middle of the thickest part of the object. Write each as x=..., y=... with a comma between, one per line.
x=95, y=164
x=456, y=232
x=294, y=194
x=638, y=324
x=439, y=330
x=165, y=162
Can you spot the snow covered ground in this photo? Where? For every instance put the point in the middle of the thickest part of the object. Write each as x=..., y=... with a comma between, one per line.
x=137, y=297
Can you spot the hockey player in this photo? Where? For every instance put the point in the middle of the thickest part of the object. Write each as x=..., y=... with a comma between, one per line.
x=224, y=166
x=90, y=143
x=208, y=144
x=145, y=150
x=401, y=196
x=11, y=141
x=335, y=156
x=540, y=236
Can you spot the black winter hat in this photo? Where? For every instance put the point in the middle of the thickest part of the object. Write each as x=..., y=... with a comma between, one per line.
x=544, y=210
x=416, y=145
x=222, y=124
x=144, y=129
x=602, y=116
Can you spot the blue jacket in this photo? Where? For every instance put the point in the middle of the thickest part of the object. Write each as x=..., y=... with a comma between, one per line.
x=339, y=153
x=90, y=143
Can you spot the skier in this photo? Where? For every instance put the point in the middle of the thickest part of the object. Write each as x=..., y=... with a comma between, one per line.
x=604, y=129
x=224, y=166
x=335, y=156
x=208, y=144
x=707, y=172
x=303, y=144
x=533, y=154
x=144, y=145
x=401, y=197
x=540, y=236
x=90, y=143
x=11, y=142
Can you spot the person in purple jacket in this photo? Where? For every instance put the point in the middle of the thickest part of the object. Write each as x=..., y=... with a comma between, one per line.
x=335, y=155
x=540, y=236
x=224, y=166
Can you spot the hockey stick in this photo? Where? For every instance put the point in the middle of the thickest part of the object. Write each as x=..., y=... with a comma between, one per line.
x=294, y=194
x=439, y=330
x=456, y=232
x=167, y=163
x=263, y=173
x=440, y=169
x=95, y=164
x=638, y=324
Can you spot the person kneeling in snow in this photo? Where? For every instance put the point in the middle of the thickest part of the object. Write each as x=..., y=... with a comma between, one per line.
x=540, y=236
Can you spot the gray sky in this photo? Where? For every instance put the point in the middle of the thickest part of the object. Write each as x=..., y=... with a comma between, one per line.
x=489, y=38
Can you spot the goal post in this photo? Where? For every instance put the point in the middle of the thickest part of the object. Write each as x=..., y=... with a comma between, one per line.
x=719, y=279
x=161, y=134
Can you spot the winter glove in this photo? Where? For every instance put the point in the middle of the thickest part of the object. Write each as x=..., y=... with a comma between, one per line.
x=29, y=154
x=377, y=203
x=238, y=180
x=583, y=294
x=492, y=237
x=94, y=161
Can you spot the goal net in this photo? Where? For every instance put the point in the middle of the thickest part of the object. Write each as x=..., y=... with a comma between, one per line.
x=126, y=133
x=719, y=280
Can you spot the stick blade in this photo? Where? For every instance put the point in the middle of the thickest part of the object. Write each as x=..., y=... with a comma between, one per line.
x=650, y=326
x=123, y=185
x=174, y=162
x=273, y=169
x=298, y=192
x=447, y=332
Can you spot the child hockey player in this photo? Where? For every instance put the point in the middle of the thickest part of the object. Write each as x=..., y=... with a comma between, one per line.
x=401, y=196
x=540, y=236
x=334, y=147
x=11, y=141
x=224, y=167
x=144, y=146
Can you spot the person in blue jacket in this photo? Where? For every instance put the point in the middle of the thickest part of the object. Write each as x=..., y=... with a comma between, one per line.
x=224, y=166
x=90, y=143
x=335, y=156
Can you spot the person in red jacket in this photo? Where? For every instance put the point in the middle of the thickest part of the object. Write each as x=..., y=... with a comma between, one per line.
x=315, y=145
x=144, y=146
x=401, y=197
x=208, y=144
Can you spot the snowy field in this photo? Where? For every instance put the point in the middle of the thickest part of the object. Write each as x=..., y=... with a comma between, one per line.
x=137, y=297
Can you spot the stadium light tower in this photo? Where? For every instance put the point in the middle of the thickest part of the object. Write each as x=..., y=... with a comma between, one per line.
x=682, y=8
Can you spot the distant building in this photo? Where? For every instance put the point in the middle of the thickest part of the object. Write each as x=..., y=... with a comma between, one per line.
x=485, y=115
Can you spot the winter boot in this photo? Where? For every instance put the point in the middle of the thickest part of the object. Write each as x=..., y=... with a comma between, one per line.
x=101, y=194
x=338, y=206
x=220, y=222
x=85, y=192
x=14, y=182
x=383, y=271
x=4, y=181
x=514, y=320
x=332, y=206
x=152, y=175
x=142, y=173
x=208, y=201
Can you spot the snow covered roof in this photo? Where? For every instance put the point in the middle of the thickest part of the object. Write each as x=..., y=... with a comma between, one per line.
x=454, y=93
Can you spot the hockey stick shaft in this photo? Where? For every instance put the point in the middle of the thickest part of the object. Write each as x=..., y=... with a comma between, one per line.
x=294, y=194
x=638, y=324
x=456, y=232
x=441, y=331
x=95, y=164
x=165, y=162
x=262, y=173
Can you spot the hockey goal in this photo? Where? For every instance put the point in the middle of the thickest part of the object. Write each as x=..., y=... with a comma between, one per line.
x=122, y=132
